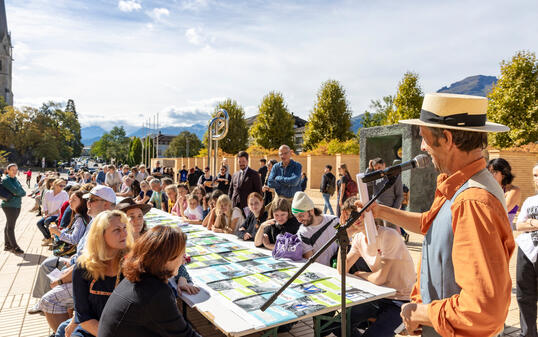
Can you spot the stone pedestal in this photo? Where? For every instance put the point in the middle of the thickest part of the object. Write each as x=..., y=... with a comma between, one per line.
x=386, y=142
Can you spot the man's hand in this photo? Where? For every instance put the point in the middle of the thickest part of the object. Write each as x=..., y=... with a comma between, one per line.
x=247, y=236
x=374, y=208
x=413, y=316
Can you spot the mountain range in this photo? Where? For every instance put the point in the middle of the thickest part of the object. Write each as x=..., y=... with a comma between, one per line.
x=478, y=85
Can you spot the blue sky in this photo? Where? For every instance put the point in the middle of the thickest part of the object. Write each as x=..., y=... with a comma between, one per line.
x=122, y=61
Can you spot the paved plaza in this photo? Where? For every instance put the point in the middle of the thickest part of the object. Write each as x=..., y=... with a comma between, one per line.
x=18, y=273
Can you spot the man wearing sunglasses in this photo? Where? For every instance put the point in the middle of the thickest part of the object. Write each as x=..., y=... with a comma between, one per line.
x=101, y=198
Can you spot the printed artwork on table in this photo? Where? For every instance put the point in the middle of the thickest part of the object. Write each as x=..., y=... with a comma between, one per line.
x=248, y=278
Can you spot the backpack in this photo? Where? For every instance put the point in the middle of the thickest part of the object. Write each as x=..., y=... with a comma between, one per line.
x=351, y=189
x=330, y=188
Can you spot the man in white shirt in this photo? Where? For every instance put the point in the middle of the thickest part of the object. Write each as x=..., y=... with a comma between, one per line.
x=316, y=228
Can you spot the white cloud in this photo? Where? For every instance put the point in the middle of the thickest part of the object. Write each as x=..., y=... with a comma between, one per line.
x=194, y=37
x=136, y=70
x=194, y=5
x=159, y=13
x=129, y=5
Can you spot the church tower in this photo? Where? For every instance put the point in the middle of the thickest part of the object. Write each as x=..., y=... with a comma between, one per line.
x=5, y=57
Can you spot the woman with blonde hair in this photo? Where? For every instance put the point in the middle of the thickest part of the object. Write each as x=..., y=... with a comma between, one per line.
x=98, y=272
x=144, y=304
x=227, y=219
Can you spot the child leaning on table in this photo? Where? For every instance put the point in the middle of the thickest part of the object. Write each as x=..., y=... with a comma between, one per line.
x=257, y=215
x=193, y=213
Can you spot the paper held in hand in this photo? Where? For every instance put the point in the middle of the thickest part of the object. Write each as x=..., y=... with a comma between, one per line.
x=54, y=275
x=369, y=223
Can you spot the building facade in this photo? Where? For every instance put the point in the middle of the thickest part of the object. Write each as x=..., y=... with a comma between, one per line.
x=6, y=58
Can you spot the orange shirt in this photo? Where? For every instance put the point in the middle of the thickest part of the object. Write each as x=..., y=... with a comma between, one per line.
x=483, y=244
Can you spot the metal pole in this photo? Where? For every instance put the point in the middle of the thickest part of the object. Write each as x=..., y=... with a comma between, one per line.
x=144, y=143
x=158, y=129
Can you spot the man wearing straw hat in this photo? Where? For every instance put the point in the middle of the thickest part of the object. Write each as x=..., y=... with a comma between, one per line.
x=463, y=286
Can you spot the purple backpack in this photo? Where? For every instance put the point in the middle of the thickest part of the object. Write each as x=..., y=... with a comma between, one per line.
x=288, y=246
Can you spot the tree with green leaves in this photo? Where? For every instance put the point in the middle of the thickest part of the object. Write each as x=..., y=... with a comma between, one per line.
x=513, y=101
x=381, y=109
x=408, y=100
x=274, y=124
x=331, y=117
x=178, y=145
x=135, y=151
x=113, y=144
x=72, y=123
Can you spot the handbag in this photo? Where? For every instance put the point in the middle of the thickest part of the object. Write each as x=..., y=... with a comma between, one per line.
x=5, y=194
x=288, y=246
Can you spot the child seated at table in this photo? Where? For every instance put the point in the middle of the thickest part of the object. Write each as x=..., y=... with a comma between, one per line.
x=387, y=263
x=257, y=215
x=209, y=217
x=193, y=213
x=281, y=221
x=226, y=218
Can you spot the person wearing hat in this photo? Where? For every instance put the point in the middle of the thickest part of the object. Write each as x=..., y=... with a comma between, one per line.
x=463, y=286
x=135, y=212
x=316, y=228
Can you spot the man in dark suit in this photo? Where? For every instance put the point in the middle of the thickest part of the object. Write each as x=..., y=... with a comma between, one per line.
x=244, y=182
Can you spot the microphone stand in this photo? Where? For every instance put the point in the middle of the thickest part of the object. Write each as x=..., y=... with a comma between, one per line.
x=343, y=242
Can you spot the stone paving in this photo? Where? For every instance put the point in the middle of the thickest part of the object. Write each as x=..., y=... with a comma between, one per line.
x=17, y=275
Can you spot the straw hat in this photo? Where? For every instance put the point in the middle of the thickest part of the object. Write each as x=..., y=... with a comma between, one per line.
x=128, y=203
x=458, y=112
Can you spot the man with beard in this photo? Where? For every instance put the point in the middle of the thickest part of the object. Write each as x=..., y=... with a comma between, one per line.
x=316, y=228
x=244, y=182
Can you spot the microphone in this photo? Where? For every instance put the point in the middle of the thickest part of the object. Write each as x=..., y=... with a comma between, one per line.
x=420, y=161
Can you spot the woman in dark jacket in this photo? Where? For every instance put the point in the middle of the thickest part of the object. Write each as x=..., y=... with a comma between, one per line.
x=12, y=208
x=143, y=304
x=282, y=221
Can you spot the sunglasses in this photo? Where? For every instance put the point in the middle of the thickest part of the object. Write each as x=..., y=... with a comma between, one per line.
x=95, y=199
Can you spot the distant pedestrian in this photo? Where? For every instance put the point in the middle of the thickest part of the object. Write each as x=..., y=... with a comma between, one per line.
x=268, y=192
x=346, y=187
x=12, y=208
x=28, y=177
x=327, y=188
x=263, y=169
x=304, y=181
x=183, y=174
x=192, y=179
x=392, y=197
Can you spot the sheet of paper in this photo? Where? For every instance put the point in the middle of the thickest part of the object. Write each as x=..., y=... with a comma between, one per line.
x=54, y=275
x=193, y=300
x=369, y=223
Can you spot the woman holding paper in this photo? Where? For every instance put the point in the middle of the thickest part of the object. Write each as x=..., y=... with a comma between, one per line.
x=143, y=304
